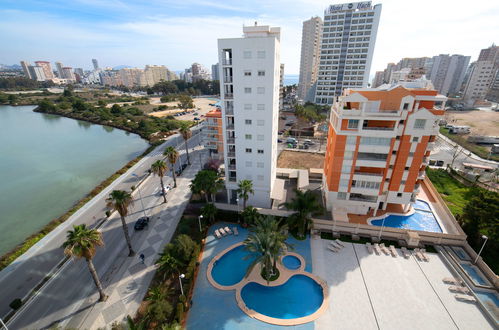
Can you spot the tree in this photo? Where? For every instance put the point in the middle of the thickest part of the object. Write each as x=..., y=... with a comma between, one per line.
x=116, y=109
x=159, y=168
x=168, y=264
x=172, y=155
x=81, y=242
x=480, y=215
x=186, y=134
x=206, y=182
x=121, y=201
x=250, y=215
x=185, y=102
x=245, y=187
x=209, y=211
x=305, y=204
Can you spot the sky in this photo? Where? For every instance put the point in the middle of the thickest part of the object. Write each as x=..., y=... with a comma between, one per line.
x=177, y=33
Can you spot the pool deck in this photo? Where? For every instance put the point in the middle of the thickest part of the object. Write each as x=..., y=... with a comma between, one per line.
x=383, y=292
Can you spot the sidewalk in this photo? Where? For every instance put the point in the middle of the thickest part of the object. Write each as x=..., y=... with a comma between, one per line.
x=472, y=155
x=129, y=276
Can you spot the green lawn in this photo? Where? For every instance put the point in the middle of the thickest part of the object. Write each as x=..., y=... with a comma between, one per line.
x=452, y=191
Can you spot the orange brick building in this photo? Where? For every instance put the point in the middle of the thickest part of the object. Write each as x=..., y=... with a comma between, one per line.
x=378, y=146
x=213, y=139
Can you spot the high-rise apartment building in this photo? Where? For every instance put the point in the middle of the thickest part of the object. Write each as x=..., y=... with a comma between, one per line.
x=250, y=68
x=378, y=146
x=213, y=132
x=281, y=86
x=68, y=73
x=47, y=69
x=25, y=65
x=347, y=48
x=95, y=64
x=448, y=72
x=37, y=73
x=483, y=76
x=60, y=71
x=215, y=75
x=309, y=60
x=378, y=79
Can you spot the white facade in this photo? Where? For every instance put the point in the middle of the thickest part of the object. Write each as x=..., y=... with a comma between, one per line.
x=37, y=73
x=309, y=60
x=448, y=72
x=25, y=65
x=347, y=48
x=249, y=85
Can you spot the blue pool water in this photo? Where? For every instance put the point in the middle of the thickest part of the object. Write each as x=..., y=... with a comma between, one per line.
x=231, y=268
x=473, y=273
x=291, y=262
x=419, y=220
x=421, y=205
x=298, y=297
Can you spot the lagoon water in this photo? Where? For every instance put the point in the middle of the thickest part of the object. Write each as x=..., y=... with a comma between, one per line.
x=48, y=162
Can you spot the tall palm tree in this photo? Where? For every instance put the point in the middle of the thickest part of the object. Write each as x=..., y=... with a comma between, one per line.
x=159, y=168
x=250, y=215
x=186, y=134
x=121, y=201
x=245, y=187
x=168, y=264
x=209, y=211
x=305, y=204
x=260, y=246
x=81, y=242
x=172, y=155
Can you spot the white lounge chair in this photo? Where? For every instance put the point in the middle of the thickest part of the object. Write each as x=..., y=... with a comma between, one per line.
x=384, y=249
x=459, y=289
x=236, y=232
x=340, y=243
x=217, y=234
x=393, y=251
x=222, y=231
x=466, y=298
x=331, y=248
x=405, y=252
x=335, y=245
x=452, y=280
x=228, y=230
x=369, y=248
x=377, y=249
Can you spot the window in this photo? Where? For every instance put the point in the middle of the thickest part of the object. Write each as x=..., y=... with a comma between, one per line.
x=346, y=169
x=419, y=123
x=260, y=90
x=259, y=177
x=344, y=182
x=260, y=151
x=247, y=72
x=402, y=182
x=353, y=123
x=351, y=139
x=399, y=195
x=260, y=107
x=374, y=141
x=261, y=73
x=348, y=155
x=249, y=164
x=415, y=139
x=247, y=136
x=247, y=121
x=247, y=90
x=248, y=106
x=260, y=54
x=406, y=168
x=248, y=150
x=249, y=177
x=411, y=154
x=342, y=195
x=259, y=137
x=260, y=122
x=259, y=164
x=397, y=138
x=406, y=106
x=247, y=54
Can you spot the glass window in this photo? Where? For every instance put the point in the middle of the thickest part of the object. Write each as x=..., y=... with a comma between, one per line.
x=346, y=169
x=260, y=151
x=353, y=123
x=247, y=72
x=247, y=54
x=248, y=106
x=415, y=139
x=344, y=182
x=261, y=73
x=247, y=136
x=342, y=195
x=247, y=121
x=375, y=141
x=348, y=155
x=260, y=54
x=248, y=150
x=259, y=164
x=351, y=139
x=260, y=122
x=247, y=90
x=260, y=137
x=260, y=107
x=419, y=123
x=260, y=90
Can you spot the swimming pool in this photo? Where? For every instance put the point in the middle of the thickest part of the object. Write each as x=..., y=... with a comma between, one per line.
x=422, y=219
x=474, y=274
x=291, y=262
x=300, y=296
x=231, y=268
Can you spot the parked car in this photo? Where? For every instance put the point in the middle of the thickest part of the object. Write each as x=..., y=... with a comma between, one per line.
x=309, y=142
x=279, y=140
x=141, y=223
x=196, y=118
x=291, y=140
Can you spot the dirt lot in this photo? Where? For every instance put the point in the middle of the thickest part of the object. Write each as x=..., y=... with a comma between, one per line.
x=202, y=106
x=481, y=122
x=301, y=160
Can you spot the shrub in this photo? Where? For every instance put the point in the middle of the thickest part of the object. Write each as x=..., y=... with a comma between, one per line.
x=180, y=311
x=16, y=304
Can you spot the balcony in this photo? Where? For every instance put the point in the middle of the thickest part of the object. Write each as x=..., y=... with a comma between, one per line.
x=371, y=163
x=426, y=160
x=231, y=140
x=211, y=146
x=363, y=198
x=228, y=96
x=229, y=111
x=231, y=154
x=211, y=138
x=421, y=175
x=377, y=128
x=368, y=174
x=227, y=61
x=232, y=179
x=229, y=126
x=210, y=131
x=228, y=79
x=232, y=167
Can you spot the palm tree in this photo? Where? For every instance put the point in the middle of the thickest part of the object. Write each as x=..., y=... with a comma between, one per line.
x=81, y=242
x=159, y=168
x=245, y=188
x=260, y=246
x=168, y=264
x=186, y=134
x=172, y=155
x=209, y=211
x=305, y=204
x=206, y=182
x=121, y=201
x=250, y=215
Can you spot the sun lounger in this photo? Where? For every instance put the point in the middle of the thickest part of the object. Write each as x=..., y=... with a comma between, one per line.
x=335, y=245
x=425, y=256
x=405, y=252
x=459, y=289
x=393, y=251
x=466, y=298
x=369, y=248
x=222, y=231
x=384, y=249
x=377, y=249
x=331, y=248
x=228, y=230
x=217, y=234
x=452, y=280
x=236, y=232
x=340, y=243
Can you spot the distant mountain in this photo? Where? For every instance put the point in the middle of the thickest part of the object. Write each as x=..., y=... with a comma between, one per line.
x=119, y=67
x=10, y=67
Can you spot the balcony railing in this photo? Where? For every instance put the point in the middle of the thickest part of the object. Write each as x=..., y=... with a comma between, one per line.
x=378, y=128
x=229, y=111
x=363, y=199
x=228, y=95
x=367, y=174
x=230, y=126
x=232, y=179
x=231, y=140
x=227, y=79
x=232, y=167
x=227, y=61
x=231, y=154
x=210, y=131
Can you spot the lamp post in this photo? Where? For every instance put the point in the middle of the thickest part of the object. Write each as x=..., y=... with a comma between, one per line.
x=237, y=202
x=199, y=220
x=381, y=230
x=483, y=245
x=140, y=195
x=180, y=277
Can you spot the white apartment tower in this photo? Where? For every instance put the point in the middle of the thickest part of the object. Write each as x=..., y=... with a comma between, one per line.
x=482, y=76
x=309, y=60
x=347, y=48
x=447, y=73
x=249, y=85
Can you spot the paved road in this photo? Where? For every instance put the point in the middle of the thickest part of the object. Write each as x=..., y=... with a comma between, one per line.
x=19, y=278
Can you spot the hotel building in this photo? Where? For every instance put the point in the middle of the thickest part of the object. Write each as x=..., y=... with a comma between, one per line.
x=378, y=146
x=447, y=73
x=249, y=85
x=309, y=60
x=347, y=47
x=47, y=69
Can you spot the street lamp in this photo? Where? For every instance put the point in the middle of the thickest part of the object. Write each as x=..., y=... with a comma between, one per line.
x=485, y=241
x=180, y=277
x=199, y=220
x=237, y=202
x=140, y=195
x=381, y=230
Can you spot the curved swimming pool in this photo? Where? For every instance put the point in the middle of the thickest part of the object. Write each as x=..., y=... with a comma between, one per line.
x=300, y=296
x=231, y=268
x=291, y=262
